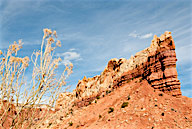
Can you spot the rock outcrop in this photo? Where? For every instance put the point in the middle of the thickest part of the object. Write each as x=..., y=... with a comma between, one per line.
x=156, y=64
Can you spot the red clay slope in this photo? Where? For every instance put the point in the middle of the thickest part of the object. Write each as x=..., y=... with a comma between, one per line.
x=146, y=109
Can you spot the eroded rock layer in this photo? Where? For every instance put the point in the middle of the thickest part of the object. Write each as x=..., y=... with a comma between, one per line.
x=159, y=71
x=156, y=64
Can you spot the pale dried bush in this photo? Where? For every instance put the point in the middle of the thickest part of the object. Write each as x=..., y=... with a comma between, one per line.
x=19, y=99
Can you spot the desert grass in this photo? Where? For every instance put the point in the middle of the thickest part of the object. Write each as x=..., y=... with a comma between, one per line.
x=19, y=101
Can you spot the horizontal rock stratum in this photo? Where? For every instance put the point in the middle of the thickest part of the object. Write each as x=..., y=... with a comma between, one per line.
x=155, y=64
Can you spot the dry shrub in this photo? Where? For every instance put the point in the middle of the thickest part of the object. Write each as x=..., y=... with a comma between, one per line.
x=20, y=102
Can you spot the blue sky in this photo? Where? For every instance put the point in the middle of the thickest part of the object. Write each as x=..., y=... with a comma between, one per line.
x=93, y=32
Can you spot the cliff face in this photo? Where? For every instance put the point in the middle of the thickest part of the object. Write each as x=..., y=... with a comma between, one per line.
x=156, y=64
x=159, y=69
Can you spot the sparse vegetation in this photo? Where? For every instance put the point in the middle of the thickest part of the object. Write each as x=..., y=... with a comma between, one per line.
x=66, y=114
x=141, y=79
x=21, y=97
x=71, y=111
x=160, y=94
x=74, y=105
x=98, y=97
x=61, y=117
x=100, y=116
x=70, y=123
x=49, y=125
x=125, y=104
x=107, y=92
x=111, y=110
x=172, y=109
x=128, y=98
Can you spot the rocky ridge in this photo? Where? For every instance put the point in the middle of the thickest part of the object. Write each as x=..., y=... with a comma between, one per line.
x=155, y=64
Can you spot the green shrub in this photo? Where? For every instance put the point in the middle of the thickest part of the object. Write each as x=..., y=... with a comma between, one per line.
x=172, y=109
x=128, y=98
x=98, y=97
x=71, y=109
x=49, y=125
x=107, y=92
x=160, y=94
x=111, y=110
x=66, y=114
x=125, y=104
x=70, y=123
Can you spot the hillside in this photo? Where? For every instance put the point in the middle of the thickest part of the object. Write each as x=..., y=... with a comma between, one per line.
x=146, y=109
x=140, y=92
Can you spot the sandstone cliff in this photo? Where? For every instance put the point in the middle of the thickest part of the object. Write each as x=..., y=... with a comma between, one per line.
x=155, y=64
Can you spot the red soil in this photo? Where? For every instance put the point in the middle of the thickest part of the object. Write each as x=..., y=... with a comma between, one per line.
x=146, y=108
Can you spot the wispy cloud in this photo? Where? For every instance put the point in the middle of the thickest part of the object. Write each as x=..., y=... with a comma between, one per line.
x=72, y=49
x=69, y=56
x=134, y=35
x=144, y=36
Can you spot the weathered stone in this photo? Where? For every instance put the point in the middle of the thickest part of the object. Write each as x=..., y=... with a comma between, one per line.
x=156, y=64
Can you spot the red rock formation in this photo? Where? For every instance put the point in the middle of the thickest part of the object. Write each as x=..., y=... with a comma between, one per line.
x=156, y=64
x=159, y=69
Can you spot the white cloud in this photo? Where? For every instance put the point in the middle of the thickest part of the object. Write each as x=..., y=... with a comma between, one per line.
x=144, y=36
x=72, y=49
x=134, y=35
x=69, y=56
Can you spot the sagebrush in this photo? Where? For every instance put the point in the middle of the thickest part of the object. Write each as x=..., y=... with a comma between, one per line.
x=20, y=101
